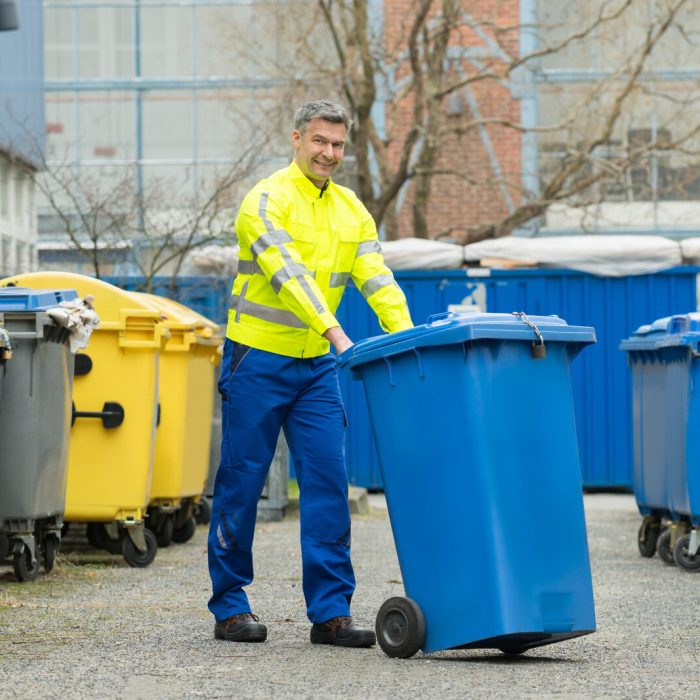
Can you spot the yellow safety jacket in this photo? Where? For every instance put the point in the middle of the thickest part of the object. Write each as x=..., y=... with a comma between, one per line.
x=299, y=247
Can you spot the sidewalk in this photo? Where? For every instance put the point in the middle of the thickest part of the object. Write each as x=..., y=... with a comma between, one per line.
x=97, y=628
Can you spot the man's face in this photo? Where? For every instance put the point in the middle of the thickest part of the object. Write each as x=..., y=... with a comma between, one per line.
x=319, y=151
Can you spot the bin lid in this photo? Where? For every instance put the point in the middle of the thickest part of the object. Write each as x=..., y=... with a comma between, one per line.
x=111, y=303
x=449, y=328
x=25, y=299
x=670, y=331
x=177, y=313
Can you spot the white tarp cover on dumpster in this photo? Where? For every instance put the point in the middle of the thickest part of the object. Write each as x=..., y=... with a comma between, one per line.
x=421, y=254
x=691, y=251
x=606, y=256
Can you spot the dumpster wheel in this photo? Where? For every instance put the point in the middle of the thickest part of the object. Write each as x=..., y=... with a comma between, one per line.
x=138, y=559
x=50, y=550
x=185, y=532
x=683, y=558
x=663, y=547
x=22, y=564
x=400, y=627
x=648, y=536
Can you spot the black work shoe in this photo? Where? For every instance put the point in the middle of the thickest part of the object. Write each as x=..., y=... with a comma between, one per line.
x=342, y=632
x=243, y=627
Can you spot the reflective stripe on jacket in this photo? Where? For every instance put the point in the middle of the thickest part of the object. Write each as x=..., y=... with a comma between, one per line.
x=298, y=250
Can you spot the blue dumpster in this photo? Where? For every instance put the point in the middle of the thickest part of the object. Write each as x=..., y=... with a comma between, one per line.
x=474, y=424
x=662, y=357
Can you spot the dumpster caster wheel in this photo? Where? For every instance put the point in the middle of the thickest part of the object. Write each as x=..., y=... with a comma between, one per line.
x=22, y=564
x=647, y=539
x=203, y=512
x=164, y=535
x=51, y=546
x=186, y=532
x=683, y=559
x=138, y=559
x=663, y=547
x=97, y=536
x=400, y=627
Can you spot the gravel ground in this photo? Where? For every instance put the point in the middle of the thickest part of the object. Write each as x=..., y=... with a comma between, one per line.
x=95, y=627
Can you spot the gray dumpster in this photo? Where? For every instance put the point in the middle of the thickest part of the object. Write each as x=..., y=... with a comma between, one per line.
x=35, y=419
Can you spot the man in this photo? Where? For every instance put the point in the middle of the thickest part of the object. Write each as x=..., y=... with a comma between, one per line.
x=302, y=238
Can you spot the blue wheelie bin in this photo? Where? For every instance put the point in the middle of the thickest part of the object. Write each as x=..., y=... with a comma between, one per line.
x=474, y=424
x=663, y=359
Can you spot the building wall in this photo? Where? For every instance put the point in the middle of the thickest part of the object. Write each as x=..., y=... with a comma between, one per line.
x=21, y=136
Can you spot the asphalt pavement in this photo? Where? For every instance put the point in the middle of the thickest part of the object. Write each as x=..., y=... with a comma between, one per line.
x=97, y=628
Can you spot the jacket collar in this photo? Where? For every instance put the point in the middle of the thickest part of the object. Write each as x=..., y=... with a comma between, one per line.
x=304, y=185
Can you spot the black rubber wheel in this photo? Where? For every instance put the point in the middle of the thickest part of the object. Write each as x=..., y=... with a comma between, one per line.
x=22, y=564
x=95, y=535
x=512, y=651
x=49, y=552
x=133, y=557
x=683, y=559
x=400, y=627
x=663, y=547
x=164, y=535
x=203, y=512
x=647, y=537
x=186, y=532
x=64, y=529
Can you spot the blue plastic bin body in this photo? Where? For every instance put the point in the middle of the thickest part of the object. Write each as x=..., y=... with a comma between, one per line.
x=601, y=379
x=477, y=447
x=662, y=357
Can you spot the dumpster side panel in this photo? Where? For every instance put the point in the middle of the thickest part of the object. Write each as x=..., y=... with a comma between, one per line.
x=36, y=397
x=601, y=381
x=488, y=520
x=110, y=470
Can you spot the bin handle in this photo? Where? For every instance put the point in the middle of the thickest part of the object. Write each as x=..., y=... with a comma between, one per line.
x=678, y=324
x=111, y=415
x=443, y=317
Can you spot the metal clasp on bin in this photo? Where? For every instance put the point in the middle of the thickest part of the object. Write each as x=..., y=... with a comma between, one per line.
x=538, y=350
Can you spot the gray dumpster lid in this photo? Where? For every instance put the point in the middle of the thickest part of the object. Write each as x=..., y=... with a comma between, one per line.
x=449, y=328
x=670, y=331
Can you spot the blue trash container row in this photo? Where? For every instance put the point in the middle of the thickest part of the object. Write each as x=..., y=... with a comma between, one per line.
x=474, y=424
x=663, y=358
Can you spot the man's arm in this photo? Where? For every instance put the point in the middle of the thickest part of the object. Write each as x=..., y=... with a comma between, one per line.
x=338, y=339
x=376, y=281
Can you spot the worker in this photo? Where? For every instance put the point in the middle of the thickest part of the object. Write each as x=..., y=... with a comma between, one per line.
x=302, y=239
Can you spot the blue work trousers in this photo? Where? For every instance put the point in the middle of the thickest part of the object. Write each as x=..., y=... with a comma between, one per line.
x=262, y=392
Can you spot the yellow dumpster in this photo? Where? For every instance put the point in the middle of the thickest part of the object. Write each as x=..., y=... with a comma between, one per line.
x=187, y=380
x=115, y=398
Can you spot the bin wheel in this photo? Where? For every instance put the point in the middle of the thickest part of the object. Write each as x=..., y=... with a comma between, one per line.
x=647, y=539
x=138, y=559
x=50, y=552
x=164, y=535
x=185, y=532
x=64, y=529
x=683, y=559
x=22, y=564
x=400, y=627
x=203, y=512
x=97, y=536
x=663, y=547
x=512, y=651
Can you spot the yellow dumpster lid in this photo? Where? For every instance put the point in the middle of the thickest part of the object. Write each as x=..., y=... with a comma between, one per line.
x=179, y=313
x=114, y=305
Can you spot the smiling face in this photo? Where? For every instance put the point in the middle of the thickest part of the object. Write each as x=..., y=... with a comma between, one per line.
x=319, y=150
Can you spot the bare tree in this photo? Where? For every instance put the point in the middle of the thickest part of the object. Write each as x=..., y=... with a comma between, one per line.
x=431, y=88
x=159, y=225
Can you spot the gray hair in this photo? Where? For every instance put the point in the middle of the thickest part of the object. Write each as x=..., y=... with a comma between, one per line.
x=321, y=109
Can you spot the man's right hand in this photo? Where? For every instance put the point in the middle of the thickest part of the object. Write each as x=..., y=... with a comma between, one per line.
x=338, y=339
